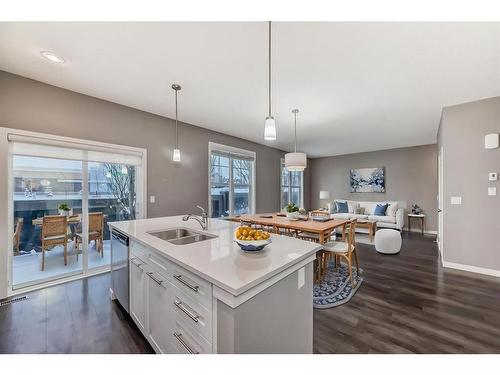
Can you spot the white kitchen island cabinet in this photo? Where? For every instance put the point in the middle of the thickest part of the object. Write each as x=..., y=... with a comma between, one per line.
x=138, y=293
x=211, y=297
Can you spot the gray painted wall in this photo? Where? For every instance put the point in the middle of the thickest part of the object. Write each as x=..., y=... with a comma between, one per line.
x=411, y=176
x=32, y=105
x=471, y=231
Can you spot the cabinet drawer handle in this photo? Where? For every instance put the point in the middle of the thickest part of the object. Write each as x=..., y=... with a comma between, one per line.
x=192, y=287
x=181, y=307
x=135, y=262
x=158, y=281
x=178, y=336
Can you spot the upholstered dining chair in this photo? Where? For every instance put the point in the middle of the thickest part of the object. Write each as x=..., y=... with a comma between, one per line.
x=54, y=229
x=345, y=249
x=17, y=234
x=96, y=233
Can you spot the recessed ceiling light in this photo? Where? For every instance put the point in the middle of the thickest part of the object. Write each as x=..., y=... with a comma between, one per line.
x=52, y=57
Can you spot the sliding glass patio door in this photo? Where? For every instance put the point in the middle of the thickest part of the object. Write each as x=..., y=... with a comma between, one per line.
x=112, y=196
x=62, y=201
x=42, y=187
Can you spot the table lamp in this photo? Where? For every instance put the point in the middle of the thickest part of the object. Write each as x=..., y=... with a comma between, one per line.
x=324, y=195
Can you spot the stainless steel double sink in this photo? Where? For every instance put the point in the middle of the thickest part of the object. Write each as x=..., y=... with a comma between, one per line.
x=182, y=236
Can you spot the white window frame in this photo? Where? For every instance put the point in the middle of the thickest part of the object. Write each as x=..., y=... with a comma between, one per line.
x=282, y=166
x=7, y=205
x=212, y=146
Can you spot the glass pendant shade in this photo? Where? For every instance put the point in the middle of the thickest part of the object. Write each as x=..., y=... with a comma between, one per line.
x=295, y=161
x=177, y=152
x=270, y=125
x=270, y=129
x=177, y=155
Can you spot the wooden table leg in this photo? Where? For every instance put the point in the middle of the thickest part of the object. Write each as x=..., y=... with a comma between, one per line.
x=372, y=230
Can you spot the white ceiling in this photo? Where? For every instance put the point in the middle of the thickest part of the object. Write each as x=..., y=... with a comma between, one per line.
x=359, y=86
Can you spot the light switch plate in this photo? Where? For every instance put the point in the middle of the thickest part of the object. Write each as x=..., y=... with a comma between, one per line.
x=492, y=191
x=456, y=200
x=491, y=140
x=152, y=199
x=493, y=176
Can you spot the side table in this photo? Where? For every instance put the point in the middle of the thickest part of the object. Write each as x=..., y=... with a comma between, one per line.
x=418, y=217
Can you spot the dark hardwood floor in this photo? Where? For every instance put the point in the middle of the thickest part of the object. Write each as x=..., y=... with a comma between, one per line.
x=75, y=317
x=406, y=304
x=409, y=304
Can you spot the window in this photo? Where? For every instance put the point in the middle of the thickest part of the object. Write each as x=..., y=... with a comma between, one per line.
x=292, y=187
x=231, y=185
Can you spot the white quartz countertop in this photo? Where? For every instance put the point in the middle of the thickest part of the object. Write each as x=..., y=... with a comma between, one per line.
x=220, y=260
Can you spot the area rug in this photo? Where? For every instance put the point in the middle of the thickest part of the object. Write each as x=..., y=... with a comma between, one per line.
x=335, y=288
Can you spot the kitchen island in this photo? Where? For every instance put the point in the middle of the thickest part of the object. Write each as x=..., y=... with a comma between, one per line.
x=211, y=297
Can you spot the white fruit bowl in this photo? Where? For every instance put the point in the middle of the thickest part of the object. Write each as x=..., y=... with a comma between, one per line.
x=257, y=245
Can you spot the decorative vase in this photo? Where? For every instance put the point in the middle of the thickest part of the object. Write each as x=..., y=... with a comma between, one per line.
x=292, y=215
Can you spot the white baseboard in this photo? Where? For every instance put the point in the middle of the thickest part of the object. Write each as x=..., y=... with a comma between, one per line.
x=416, y=230
x=465, y=267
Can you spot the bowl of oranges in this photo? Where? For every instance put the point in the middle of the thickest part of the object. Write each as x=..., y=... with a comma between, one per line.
x=250, y=239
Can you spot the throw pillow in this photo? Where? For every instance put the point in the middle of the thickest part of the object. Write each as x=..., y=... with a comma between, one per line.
x=332, y=207
x=393, y=207
x=342, y=207
x=359, y=211
x=352, y=205
x=380, y=209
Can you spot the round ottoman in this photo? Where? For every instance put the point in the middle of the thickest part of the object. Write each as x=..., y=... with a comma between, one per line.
x=388, y=241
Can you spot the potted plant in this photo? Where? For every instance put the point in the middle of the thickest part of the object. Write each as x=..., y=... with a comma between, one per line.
x=65, y=209
x=292, y=211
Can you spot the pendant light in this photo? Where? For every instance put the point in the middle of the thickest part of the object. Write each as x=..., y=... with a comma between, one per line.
x=295, y=161
x=177, y=153
x=270, y=126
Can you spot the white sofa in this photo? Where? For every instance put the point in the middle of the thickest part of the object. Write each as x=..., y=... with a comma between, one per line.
x=394, y=217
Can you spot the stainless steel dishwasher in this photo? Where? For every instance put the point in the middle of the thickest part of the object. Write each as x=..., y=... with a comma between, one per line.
x=119, y=267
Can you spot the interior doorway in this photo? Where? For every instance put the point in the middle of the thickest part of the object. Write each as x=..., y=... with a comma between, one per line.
x=440, y=202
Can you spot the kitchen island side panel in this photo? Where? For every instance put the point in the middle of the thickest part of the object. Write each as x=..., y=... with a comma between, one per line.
x=277, y=320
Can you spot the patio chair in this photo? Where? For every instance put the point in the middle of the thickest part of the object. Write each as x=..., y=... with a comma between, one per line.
x=96, y=232
x=17, y=233
x=54, y=233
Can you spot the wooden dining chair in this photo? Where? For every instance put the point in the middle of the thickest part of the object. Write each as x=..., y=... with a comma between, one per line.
x=54, y=229
x=314, y=237
x=345, y=249
x=17, y=234
x=96, y=233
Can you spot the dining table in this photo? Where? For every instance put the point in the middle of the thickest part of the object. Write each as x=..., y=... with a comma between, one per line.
x=278, y=221
x=75, y=219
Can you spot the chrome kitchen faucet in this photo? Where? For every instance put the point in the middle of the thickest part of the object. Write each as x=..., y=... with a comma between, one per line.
x=203, y=219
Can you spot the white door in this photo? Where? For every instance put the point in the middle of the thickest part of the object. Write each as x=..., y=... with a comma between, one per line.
x=159, y=312
x=138, y=293
x=440, y=202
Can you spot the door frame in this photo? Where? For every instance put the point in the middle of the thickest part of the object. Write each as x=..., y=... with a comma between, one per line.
x=7, y=206
x=440, y=201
